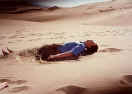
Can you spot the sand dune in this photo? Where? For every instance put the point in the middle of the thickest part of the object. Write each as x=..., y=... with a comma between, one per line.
x=106, y=72
x=117, y=13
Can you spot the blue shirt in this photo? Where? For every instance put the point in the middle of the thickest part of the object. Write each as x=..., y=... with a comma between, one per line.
x=75, y=47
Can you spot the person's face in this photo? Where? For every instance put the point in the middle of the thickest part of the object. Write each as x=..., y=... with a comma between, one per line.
x=89, y=43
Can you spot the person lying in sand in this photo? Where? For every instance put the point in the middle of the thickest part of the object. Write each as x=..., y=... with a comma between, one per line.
x=70, y=50
x=66, y=51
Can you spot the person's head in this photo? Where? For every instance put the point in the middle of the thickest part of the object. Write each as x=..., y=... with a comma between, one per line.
x=91, y=47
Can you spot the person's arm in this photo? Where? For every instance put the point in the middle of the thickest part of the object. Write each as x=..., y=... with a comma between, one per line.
x=60, y=56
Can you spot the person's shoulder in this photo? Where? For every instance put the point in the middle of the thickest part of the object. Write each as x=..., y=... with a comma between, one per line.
x=82, y=44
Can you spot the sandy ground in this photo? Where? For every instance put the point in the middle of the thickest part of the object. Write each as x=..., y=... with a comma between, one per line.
x=106, y=72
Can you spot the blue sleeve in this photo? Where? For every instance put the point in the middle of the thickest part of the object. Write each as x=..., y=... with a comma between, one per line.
x=77, y=50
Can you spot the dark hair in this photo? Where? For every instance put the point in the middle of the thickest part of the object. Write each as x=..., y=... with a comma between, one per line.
x=89, y=51
x=45, y=51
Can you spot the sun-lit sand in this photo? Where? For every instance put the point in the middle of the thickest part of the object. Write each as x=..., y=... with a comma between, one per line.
x=106, y=72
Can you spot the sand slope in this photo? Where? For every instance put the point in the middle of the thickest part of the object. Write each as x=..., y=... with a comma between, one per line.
x=105, y=72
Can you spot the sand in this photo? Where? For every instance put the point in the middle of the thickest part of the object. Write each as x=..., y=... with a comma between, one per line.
x=106, y=72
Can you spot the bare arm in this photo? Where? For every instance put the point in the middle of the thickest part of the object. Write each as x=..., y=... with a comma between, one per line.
x=60, y=56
